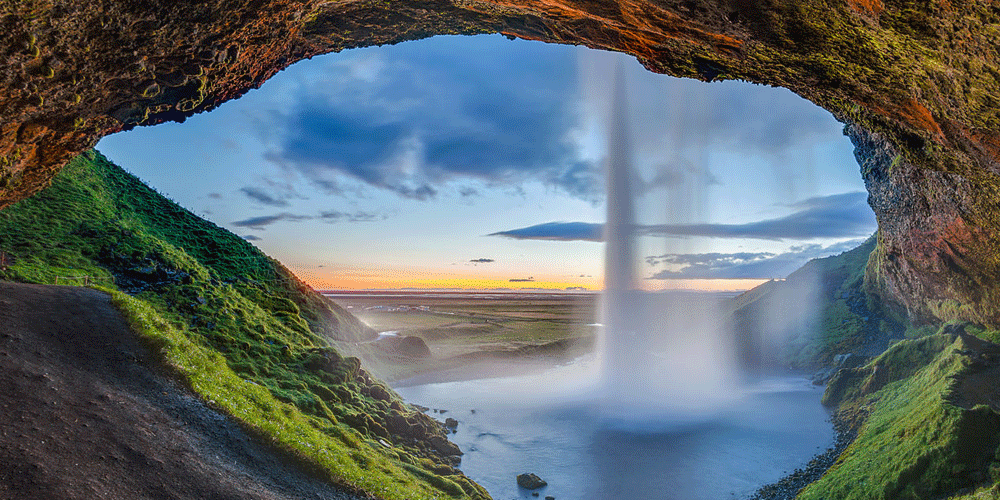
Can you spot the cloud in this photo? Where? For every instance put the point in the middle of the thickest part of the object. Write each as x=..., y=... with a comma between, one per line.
x=742, y=265
x=557, y=231
x=250, y=237
x=215, y=196
x=521, y=280
x=844, y=215
x=482, y=261
x=266, y=220
x=836, y=216
x=329, y=216
x=260, y=196
x=435, y=113
x=333, y=216
x=754, y=120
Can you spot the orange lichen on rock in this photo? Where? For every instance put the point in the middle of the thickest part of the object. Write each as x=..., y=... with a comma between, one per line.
x=988, y=142
x=918, y=117
x=871, y=7
x=950, y=236
x=640, y=25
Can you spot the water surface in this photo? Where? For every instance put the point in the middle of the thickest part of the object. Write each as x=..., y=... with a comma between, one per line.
x=550, y=424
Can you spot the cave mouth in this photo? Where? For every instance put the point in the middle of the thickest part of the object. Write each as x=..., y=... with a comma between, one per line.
x=721, y=214
x=916, y=84
x=386, y=144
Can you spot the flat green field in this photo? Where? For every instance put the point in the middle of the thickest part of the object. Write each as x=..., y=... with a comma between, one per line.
x=466, y=328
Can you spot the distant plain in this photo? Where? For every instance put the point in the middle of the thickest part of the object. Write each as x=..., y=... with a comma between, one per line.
x=474, y=334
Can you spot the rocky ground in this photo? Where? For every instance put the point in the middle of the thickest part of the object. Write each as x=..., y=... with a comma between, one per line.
x=87, y=416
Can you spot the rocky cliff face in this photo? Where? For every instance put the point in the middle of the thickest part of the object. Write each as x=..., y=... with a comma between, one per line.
x=932, y=260
x=919, y=82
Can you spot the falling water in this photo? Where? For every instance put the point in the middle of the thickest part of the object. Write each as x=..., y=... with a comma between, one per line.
x=621, y=327
x=665, y=357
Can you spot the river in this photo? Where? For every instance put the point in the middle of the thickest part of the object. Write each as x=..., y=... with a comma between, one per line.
x=548, y=423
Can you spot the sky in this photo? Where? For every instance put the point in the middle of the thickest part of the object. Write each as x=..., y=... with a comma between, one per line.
x=478, y=162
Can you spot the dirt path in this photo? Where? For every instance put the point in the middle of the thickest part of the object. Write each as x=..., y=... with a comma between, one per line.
x=84, y=416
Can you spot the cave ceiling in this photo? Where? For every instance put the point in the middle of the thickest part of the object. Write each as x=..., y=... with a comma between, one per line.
x=917, y=83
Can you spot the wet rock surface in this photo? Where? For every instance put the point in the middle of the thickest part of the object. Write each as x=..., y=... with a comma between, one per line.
x=530, y=481
x=840, y=362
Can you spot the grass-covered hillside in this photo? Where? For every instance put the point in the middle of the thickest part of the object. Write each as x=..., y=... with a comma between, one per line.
x=925, y=416
x=236, y=325
x=923, y=411
x=819, y=311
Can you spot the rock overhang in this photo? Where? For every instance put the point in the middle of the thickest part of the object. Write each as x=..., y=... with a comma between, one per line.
x=918, y=85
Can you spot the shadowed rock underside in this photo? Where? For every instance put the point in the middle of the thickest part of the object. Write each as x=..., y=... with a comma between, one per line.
x=917, y=82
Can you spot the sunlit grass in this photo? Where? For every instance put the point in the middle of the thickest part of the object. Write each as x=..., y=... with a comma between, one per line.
x=239, y=328
x=343, y=456
x=913, y=443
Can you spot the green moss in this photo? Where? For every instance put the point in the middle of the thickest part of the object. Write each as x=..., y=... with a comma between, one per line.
x=235, y=324
x=898, y=362
x=336, y=450
x=912, y=443
x=987, y=334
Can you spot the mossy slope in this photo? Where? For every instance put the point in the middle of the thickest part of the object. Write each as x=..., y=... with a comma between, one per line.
x=226, y=313
x=820, y=310
x=913, y=441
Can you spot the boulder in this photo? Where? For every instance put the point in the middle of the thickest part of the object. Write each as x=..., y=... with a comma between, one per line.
x=443, y=446
x=530, y=481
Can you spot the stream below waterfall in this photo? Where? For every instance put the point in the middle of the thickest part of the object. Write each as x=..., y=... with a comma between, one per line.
x=550, y=424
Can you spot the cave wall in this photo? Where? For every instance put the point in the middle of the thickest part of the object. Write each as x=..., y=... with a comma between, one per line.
x=918, y=82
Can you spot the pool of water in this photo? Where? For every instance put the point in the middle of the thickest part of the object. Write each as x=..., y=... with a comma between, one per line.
x=552, y=424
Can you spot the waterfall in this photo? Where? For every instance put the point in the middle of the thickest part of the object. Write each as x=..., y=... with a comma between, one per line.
x=664, y=356
x=620, y=281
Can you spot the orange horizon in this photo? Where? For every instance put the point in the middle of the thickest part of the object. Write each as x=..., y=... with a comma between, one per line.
x=424, y=280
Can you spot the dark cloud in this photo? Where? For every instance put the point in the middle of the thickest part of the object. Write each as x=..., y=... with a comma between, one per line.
x=521, y=280
x=413, y=118
x=215, y=196
x=266, y=220
x=250, y=237
x=557, y=231
x=503, y=119
x=748, y=265
x=482, y=261
x=844, y=215
x=261, y=196
x=333, y=216
x=837, y=216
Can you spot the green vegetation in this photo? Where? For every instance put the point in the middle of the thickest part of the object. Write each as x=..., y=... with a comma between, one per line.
x=921, y=432
x=820, y=310
x=899, y=362
x=912, y=441
x=238, y=327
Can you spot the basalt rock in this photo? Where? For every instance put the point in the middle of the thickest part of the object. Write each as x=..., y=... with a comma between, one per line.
x=530, y=481
x=918, y=82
